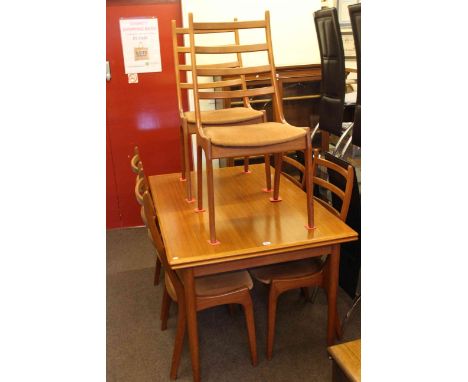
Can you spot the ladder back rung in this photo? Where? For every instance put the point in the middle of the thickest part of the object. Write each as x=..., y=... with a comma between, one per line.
x=236, y=93
x=231, y=48
x=229, y=25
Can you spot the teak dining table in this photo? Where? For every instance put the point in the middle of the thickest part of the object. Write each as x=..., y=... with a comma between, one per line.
x=252, y=231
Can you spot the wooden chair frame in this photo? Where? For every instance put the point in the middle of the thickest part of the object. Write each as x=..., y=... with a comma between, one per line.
x=240, y=296
x=141, y=186
x=204, y=143
x=188, y=128
x=319, y=278
x=135, y=160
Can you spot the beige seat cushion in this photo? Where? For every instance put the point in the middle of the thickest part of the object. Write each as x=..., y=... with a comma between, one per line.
x=216, y=285
x=260, y=134
x=223, y=283
x=291, y=269
x=225, y=116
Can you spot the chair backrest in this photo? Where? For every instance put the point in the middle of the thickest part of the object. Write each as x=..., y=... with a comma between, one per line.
x=355, y=16
x=338, y=179
x=233, y=76
x=342, y=194
x=153, y=227
x=298, y=171
x=333, y=83
x=135, y=160
x=181, y=70
x=140, y=185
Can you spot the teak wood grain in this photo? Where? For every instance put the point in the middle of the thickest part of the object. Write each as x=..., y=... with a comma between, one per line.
x=347, y=357
x=246, y=219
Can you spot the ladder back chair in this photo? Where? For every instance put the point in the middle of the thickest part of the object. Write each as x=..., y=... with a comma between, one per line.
x=225, y=116
x=308, y=272
x=333, y=83
x=135, y=160
x=221, y=289
x=141, y=186
x=242, y=140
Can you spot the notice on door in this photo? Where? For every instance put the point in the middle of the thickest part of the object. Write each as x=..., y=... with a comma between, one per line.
x=140, y=45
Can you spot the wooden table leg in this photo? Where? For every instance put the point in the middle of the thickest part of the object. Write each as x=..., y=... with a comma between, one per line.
x=192, y=326
x=334, y=266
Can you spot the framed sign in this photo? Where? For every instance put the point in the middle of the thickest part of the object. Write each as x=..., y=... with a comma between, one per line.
x=348, y=45
x=140, y=45
x=343, y=13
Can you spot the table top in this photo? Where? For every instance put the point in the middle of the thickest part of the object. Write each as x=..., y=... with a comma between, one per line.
x=247, y=223
x=348, y=357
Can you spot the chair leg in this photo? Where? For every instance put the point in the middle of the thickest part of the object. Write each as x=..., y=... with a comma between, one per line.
x=309, y=184
x=325, y=143
x=179, y=341
x=231, y=309
x=182, y=153
x=338, y=331
x=305, y=293
x=314, y=295
x=268, y=173
x=211, y=211
x=188, y=178
x=166, y=304
x=246, y=165
x=199, y=179
x=250, y=322
x=157, y=271
x=272, y=301
x=278, y=164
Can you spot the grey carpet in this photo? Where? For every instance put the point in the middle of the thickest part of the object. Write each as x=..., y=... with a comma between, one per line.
x=137, y=350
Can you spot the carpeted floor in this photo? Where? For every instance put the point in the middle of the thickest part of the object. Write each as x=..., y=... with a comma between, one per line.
x=137, y=350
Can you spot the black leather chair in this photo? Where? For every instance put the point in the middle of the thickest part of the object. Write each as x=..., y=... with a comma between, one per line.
x=355, y=16
x=350, y=260
x=333, y=83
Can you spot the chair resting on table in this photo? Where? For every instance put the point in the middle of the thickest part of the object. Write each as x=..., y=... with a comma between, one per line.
x=241, y=140
x=221, y=117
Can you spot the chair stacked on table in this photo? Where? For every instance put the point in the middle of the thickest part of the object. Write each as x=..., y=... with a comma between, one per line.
x=230, y=141
x=218, y=117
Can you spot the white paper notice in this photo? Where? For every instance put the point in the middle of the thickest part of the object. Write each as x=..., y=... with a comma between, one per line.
x=140, y=44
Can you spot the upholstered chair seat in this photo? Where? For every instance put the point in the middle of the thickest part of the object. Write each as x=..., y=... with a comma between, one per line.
x=225, y=116
x=216, y=285
x=291, y=269
x=260, y=134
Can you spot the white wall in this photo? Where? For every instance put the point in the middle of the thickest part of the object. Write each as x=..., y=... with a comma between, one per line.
x=292, y=23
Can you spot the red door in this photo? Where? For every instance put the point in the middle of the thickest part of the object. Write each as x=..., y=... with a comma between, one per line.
x=143, y=114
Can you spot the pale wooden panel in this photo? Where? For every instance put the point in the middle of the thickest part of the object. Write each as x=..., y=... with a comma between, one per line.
x=348, y=358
